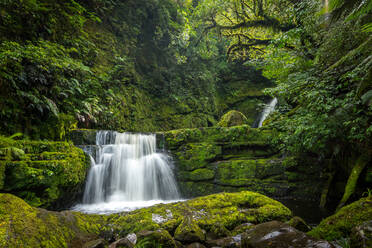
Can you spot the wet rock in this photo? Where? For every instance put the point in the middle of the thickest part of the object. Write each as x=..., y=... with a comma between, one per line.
x=361, y=236
x=99, y=243
x=280, y=235
x=128, y=242
x=233, y=118
x=218, y=231
x=189, y=231
x=242, y=228
x=195, y=245
x=228, y=242
x=299, y=224
x=149, y=239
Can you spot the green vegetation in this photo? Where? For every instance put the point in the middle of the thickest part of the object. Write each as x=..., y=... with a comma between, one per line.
x=203, y=69
x=45, y=174
x=340, y=225
x=32, y=227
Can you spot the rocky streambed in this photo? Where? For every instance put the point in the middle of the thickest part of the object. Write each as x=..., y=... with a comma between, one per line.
x=244, y=219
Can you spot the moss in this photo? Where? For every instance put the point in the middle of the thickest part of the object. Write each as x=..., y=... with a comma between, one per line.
x=198, y=175
x=151, y=239
x=359, y=166
x=248, y=169
x=176, y=138
x=340, y=224
x=197, y=155
x=227, y=209
x=24, y=226
x=233, y=118
x=189, y=231
x=48, y=171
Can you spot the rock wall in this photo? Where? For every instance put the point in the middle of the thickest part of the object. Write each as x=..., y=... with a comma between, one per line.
x=219, y=159
x=45, y=174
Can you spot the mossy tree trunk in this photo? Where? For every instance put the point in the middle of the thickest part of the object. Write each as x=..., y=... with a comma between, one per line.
x=358, y=167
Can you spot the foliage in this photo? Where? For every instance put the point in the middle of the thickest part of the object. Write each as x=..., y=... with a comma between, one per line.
x=322, y=93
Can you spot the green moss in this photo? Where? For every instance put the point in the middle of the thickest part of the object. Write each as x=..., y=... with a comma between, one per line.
x=152, y=239
x=46, y=173
x=24, y=226
x=189, y=231
x=197, y=155
x=233, y=118
x=340, y=224
x=198, y=175
x=174, y=139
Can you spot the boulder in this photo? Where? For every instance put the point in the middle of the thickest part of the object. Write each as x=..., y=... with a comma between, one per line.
x=195, y=245
x=228, y=242
x=280, y=235
x=128, y=242
x=189, y=231
x=299, y=224
x=361, y=236
x=158, y=238
x=98, y=243
x=340, y=224
x=233, y=118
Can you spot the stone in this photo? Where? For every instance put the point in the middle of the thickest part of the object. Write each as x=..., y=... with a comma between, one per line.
x=195, y=245
x=340, y=224
x=99, y=243
x=361, y=236
x=233, y=118
x=150, y=239
x=242, y=228
x=280, y=235
x=189, y=231
x=218, y=231
x=122, y=243
x=228, y=242
x=299, y=224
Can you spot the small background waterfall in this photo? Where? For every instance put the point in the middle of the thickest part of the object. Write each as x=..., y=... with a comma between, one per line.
x=269, y=108
x=127, y=173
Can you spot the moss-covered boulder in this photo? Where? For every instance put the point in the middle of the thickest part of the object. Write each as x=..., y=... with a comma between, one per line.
x=157, y=238
x=277, y=234
x=24, y=226
x=45, y=174
x=233, y=118
x=188, y=231
x=340, y=225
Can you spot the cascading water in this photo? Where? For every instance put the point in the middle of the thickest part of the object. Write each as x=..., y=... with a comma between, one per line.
x=269, y=108
x=128, y=173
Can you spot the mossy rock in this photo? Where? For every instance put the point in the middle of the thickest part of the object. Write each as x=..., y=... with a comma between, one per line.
x=176, y=138
x=227, y=209
x=197, y=155
x=24, y=226
x=197, y=175
x=189, y=231
x=340, y=224
x=157, y=238
x=233, y=118
x=45, y=174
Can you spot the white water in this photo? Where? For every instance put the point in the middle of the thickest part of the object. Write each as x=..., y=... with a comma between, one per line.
x=128, y=173
x=267, y=110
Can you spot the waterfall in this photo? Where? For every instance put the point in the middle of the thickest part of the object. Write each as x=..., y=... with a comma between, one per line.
x=127, y=173
x=269, y=108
